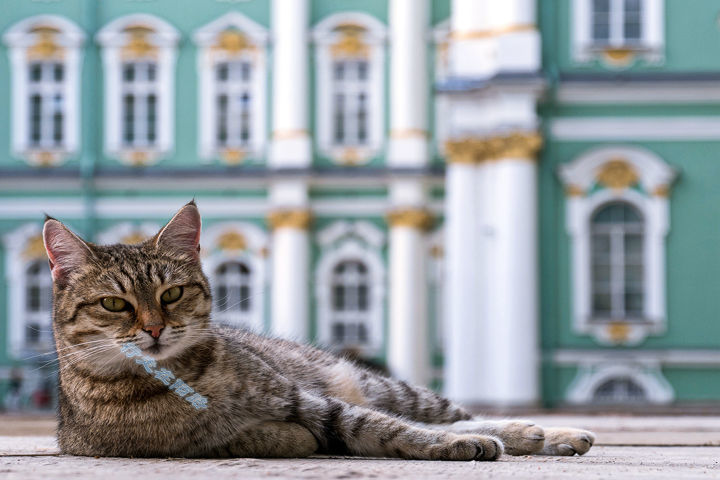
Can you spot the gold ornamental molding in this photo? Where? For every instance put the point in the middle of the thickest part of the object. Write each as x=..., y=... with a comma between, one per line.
x=574, y=191
x=494, y=32
x=477, y=150
x=617, y=174
x=409, y=133
x=619, y=56
x=231, y=240
x=45, y=46
x=233, y=42
x=298, y=219
x=618, y=331
x=290, y=134
x=233, y=156
x=34, y=248
x=139, y=45
x=417, y=218
x=134, y=238
x=351, y=42
x=662, y=191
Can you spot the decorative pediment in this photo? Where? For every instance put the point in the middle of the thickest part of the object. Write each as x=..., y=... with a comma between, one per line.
x=618, y=168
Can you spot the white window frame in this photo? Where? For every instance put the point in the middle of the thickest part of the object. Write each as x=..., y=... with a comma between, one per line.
x=114, y=38
x=652, y=35
x=69, y=39
x=351, y=241
x=208, y=57
x=253, y=255
x=17, y=261
x=374, y=39
x=654, y=179
x=647, y=376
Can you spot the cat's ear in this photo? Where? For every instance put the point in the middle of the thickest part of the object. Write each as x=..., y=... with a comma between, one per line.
x=182, y=232
x=65, y=250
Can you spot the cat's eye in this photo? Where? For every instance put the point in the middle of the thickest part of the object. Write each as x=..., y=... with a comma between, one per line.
x=171, y=295
x=114, y=304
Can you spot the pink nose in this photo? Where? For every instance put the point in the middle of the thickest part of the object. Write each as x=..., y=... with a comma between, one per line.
x=154, y=330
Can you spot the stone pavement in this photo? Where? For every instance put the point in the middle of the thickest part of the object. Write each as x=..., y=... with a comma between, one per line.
x=627, y=447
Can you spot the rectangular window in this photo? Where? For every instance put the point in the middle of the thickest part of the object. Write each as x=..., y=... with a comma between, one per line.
x=616, y=22
x=617, y=263
x=351, y=86
x=46, y=105
x=234, y=101
x=140, y=91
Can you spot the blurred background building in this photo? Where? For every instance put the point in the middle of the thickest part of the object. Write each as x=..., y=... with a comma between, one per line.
x=514, y=201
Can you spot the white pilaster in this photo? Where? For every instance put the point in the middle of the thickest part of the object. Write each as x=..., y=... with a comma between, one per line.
x=291, y=145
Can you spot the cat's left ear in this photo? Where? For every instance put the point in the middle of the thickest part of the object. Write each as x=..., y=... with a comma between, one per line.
x=182, y=232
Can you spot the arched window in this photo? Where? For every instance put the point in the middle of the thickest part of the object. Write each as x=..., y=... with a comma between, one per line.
x=617, y=243
x=233, y=293
x=621, y=390
x=38, y=305
x=232, y=74
x=350, y=86
x=351, y=286
x=45, y=55
x=139, y=61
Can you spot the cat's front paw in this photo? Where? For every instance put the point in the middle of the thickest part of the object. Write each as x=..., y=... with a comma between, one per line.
x=567, y=441
x=468, y=447
x=522, y=437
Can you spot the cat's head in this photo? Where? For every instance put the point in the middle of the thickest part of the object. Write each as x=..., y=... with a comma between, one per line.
x=153, y=294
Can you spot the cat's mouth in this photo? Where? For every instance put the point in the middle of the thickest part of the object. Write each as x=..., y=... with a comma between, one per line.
x=155, y=348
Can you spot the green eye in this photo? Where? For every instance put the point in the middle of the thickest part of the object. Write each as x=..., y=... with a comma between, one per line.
x=171, y=295
x=114, y=304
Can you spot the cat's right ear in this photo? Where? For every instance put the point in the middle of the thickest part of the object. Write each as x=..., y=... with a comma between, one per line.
x=65, y=250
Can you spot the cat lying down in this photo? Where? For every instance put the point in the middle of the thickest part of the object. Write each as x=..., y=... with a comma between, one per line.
x=144, y=373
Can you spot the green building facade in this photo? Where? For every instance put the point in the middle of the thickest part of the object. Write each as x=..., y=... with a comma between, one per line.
x=325, y=185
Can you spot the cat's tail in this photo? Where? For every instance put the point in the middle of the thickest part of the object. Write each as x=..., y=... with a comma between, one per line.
x=414, y=403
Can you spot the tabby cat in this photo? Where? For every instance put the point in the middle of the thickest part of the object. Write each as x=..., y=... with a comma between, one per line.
x=254, y=396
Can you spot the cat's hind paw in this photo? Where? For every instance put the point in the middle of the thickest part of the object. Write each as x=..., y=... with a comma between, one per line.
x=567, y=441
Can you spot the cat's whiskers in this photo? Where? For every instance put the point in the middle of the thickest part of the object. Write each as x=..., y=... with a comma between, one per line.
x=58, y=350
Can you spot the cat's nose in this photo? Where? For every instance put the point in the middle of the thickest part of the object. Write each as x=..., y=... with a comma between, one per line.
x=154, y=330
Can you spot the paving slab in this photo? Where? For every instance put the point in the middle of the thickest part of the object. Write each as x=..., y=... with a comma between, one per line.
x=648, y=452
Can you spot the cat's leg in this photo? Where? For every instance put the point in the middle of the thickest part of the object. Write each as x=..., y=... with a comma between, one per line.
x=270, y=440
x=350, y=429
x=524, y=437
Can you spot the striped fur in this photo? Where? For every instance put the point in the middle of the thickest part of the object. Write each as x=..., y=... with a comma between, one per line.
x=267, y=397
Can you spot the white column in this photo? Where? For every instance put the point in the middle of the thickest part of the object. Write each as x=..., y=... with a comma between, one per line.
x=291, y=146
x=408, y=343
x=290, y=281
x=512, y=327
x=408, y=144
x=463, y=357
x=290, y=292
x=408, y=353
x=490, y=36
